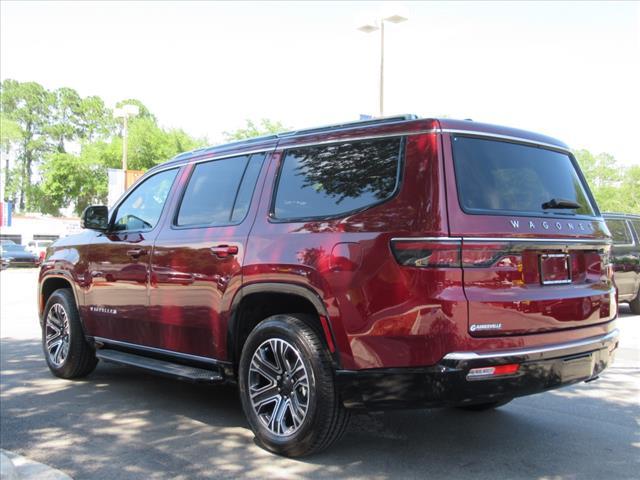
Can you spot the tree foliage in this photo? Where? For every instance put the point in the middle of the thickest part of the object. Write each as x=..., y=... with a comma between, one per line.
x=40, y=126
x=615, y=187
x=255, y=129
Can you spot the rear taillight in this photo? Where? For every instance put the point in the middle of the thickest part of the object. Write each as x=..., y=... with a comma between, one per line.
x=427, y=253
x=455, y=253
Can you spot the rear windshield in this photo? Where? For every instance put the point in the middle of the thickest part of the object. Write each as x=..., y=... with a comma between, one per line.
x=494, y=177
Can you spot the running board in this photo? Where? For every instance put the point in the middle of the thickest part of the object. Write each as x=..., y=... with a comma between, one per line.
x=193, y=374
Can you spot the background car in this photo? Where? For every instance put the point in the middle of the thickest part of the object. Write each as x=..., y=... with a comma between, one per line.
x=625, y=256
x=39, y=247
x=17, y=256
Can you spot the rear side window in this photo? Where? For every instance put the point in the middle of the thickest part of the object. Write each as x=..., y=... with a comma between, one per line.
x=619, y=232
x=331, y=180
x=495, y=177
x=219, y=192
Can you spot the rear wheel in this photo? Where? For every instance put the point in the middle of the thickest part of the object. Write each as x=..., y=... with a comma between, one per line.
x=481, y=407
x=66, y=350
x=287, y=387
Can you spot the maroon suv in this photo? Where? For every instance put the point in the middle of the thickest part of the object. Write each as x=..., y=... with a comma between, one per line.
x=392, y=263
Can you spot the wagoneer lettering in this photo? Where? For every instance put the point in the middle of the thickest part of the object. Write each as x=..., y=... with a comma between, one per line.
x=389, y=263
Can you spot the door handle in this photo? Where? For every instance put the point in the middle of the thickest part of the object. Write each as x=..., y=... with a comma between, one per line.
x=136, y=252
x=223, y=251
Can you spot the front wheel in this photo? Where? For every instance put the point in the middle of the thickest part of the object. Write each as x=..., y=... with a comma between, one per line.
x=65, y=348
x=287, y=388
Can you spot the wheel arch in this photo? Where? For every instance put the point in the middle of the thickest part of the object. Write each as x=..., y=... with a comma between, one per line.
x=50, y=284
x=255, y=302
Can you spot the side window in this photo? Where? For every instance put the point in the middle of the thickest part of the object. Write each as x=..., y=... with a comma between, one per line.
x=141, y=210
x=245, y=193
x=219, y=192
x=329, y=180
x=619, y=231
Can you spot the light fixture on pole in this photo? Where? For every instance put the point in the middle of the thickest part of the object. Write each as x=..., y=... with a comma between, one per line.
x=379, y=25
x=124, y=112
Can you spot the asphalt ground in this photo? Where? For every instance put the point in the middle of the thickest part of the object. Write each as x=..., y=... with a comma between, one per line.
x=121, y=423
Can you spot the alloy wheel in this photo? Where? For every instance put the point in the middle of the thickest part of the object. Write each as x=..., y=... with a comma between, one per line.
x=279, y=387
x=57, y=335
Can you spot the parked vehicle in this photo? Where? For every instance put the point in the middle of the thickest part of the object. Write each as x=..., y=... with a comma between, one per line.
x=17, y=256
x=39, y=247
x=389, y=263
x=625, y=255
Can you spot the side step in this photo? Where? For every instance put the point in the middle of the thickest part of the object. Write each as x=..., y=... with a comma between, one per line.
x=193, y=374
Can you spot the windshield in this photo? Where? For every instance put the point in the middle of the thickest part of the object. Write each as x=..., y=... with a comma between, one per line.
x=494, y=176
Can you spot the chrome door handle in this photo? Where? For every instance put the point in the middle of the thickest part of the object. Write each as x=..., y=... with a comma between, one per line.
x=224, y=251
x=136, y=252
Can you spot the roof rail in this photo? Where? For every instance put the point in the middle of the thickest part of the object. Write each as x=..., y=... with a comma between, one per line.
x=306, y=131
x=356, y=123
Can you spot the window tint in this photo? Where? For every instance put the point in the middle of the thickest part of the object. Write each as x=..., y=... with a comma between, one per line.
x=506, y=177
x=245, y=193
x=141, y=210
x=211, y=192
x=619, y=232
x=322, y=181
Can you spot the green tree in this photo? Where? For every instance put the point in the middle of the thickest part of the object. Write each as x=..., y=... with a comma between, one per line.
x=253, y=129
x=29, y=105
x=615, y=187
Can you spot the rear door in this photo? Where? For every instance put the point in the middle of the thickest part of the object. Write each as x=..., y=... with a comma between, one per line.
x=197, y=257
x=535, y=252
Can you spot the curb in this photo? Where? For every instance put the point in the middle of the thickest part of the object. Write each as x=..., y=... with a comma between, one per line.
x=16, y=467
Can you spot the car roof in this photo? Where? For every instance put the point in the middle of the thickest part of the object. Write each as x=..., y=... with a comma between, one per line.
x=394, y=125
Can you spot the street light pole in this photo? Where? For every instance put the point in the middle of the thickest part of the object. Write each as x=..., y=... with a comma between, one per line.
x=381, y=68
x=379, y=25
x=125, y=112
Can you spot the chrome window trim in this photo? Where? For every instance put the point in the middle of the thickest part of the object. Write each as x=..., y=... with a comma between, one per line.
x=171, y=353
x=594, y=342
x=603, y=241
x=506, y=137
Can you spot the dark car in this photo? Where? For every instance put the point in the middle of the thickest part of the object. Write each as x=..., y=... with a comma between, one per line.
x=14, y=255
x=625, y=256
x=389, y=263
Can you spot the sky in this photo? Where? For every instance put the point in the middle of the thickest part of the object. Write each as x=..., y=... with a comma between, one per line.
x=569, y=70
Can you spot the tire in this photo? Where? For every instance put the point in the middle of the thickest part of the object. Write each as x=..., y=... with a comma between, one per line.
x=483, y=407
x=320, y=417
x=72, y=357
x=635, y=304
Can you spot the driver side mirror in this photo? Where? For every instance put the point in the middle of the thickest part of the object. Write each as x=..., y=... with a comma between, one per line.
x=95, y=217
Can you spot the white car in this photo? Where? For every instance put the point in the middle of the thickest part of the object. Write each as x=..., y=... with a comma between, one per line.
x=39, y=247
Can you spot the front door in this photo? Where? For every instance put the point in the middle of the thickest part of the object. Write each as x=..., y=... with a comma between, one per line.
x=118, y=270
x=197, y=257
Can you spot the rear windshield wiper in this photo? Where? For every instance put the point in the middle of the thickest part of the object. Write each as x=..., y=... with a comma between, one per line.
x=560, y=203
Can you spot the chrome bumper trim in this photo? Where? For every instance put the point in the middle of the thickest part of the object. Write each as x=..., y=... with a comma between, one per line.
x=591, y=343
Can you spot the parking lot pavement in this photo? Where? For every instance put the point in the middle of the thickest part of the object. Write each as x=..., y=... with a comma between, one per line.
x=121, y=423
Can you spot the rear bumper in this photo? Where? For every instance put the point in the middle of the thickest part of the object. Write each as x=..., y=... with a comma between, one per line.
x=446, y=383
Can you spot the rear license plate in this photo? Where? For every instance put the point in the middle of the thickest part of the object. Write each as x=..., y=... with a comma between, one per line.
x=555, y=268
x=577, y=368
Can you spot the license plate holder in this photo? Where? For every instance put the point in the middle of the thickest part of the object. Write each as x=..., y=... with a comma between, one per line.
x=555, y=268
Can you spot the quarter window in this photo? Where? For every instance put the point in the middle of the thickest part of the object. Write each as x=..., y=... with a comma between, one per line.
x=219, y=192
x=141, y=210
x=332, y=180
